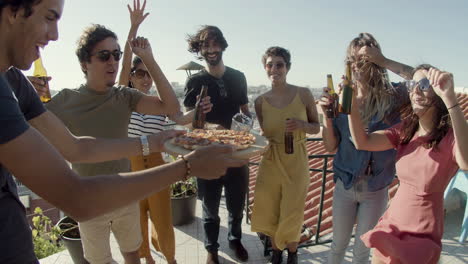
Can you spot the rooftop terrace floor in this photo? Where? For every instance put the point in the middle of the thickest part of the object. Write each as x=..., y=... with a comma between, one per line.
x=190, y=249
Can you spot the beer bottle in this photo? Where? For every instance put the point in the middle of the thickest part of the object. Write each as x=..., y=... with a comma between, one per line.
x=347, y=94
x=288, y=141
x=199, y=117
x=332, y=108
x=41, y=73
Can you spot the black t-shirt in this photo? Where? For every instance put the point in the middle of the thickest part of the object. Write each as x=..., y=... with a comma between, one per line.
x=18, y=103
x=227, y=94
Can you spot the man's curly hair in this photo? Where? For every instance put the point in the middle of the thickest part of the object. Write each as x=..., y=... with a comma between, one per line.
x=203, y=36
x=90, y=37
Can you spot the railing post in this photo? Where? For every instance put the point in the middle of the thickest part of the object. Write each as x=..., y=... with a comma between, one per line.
x=322, y=195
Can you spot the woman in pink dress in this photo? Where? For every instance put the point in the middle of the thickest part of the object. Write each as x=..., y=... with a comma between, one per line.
x=431, y=145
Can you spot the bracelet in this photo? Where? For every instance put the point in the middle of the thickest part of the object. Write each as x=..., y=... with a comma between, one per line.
x=144, y=145
x=188, y=168
x=457, y=104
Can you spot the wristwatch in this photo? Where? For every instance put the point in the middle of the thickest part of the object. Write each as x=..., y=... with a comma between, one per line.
x=144, y=145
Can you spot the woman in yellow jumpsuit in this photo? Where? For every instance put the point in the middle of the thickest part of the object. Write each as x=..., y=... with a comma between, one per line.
x=158, y=206
x=283, y=179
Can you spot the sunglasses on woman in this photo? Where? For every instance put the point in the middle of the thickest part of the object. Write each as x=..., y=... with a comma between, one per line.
x=140, y=74
x=104, y=55
x=423, y=85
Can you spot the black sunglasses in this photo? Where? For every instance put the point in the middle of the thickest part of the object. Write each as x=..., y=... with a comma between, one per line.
x=140, y=74
x=222, y=88
x=104, y=55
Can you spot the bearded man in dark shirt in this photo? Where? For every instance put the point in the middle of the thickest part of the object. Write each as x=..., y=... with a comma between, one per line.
x=227, y=89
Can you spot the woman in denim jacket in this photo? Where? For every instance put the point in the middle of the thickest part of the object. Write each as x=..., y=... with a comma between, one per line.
x=362, y=177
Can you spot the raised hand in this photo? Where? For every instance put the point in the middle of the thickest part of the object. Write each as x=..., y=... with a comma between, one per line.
x=137, y=15
x=40, y=85
x=212, y=162
x=443, y=85
x=141, y=47
x=372, y=54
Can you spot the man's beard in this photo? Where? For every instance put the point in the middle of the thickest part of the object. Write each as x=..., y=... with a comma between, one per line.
x=219, y=57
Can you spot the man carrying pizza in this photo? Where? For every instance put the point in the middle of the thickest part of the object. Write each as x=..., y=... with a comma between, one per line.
x=227, y=89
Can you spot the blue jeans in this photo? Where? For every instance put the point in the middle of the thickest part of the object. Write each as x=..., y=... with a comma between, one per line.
x=235, y=183
x=351, y=206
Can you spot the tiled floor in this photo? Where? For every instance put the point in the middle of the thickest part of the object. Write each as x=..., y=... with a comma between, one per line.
x=190, y=248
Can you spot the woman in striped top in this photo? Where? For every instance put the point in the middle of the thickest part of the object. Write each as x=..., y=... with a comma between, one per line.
x=158, y=205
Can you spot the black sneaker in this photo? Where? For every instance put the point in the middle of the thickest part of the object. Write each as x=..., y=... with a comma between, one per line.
x=239, y=249
x=212, y=258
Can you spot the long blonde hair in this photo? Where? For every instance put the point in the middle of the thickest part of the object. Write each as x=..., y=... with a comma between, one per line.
x=380, y=97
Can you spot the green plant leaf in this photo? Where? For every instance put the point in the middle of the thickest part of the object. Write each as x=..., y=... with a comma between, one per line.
x=38, y=210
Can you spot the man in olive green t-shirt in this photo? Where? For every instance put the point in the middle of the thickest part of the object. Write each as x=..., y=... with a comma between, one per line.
x=100, y=109
x=87, y=112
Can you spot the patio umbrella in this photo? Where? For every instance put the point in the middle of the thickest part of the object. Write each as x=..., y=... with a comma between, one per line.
x=191, y=66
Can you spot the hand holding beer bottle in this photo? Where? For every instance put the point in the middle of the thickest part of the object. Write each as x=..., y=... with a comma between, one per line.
x=346, y=97
x=329, y=101
x=200, y=115
x=332, y=109
x=40, y=80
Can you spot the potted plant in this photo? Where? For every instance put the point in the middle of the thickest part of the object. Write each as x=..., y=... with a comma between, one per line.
x=71, y=238
x=46, y=237
x=183, y=201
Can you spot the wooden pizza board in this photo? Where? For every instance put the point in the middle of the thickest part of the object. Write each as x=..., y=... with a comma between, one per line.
x=255, y=149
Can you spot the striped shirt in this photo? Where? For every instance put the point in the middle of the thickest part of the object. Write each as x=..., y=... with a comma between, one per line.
x=141, y=124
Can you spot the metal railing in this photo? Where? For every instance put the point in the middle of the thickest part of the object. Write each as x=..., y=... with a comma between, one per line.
x=316, y=237
x=22, y=189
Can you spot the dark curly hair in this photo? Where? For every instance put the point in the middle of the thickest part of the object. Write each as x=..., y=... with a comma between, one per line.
x=91, y=36
x=441, y=119
x=203, y=36
x=278, y=52
x=18, y=4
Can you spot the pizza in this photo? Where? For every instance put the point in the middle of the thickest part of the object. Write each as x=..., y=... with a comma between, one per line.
x=200, y=138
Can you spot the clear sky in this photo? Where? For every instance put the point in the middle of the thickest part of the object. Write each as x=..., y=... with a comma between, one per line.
x=316, y=32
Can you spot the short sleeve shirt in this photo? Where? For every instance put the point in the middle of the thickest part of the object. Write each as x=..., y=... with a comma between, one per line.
x=227, y=93
x=434, y=166
x=18, y=103
x=102, y=115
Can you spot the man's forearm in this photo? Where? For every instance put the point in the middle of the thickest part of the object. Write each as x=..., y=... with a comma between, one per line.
x=130, y=187
x=81, y=197
x=401, y=69
x=91, y=150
